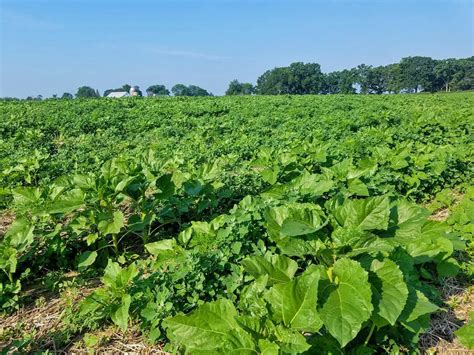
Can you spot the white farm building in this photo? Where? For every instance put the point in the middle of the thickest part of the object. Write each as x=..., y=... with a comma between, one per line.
x=117, y=94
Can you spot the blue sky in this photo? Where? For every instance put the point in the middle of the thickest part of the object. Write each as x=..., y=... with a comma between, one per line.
x=50, y=46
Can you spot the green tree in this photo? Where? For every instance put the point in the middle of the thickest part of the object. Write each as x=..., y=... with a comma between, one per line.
x=445, y=71
x=180, y=90
x=157, y=90
x=191, y=90
x=362, y=72
x=340, y=82
x=273, y=82
x=297, y=79
x=67, y=95
x=464, y=78
x=197, y=91
x=392, y=73
x=373, y=80
x=86, y=92
x=237, y=88
x=417, y=74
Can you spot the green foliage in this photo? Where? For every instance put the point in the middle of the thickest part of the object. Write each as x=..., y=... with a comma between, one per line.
x=278, y=244
x=157, y=90
x=237, y=88
x=86, y=92
x=465, y=334
x=191, y=90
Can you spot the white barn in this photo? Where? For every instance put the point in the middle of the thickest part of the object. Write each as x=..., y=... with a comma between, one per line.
x=117, y=94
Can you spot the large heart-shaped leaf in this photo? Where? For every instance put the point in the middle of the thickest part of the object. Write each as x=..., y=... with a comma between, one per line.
x=112, y=225
x=156, y=248
x=349, y=303
x=280, y=269
x=294, y=302
x=367, y=214
x=389, y=288
x=210, y=328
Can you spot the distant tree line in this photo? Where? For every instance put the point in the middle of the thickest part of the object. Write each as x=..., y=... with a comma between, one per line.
x=410, y=75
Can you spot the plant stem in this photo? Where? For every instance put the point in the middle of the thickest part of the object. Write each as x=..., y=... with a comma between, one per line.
x=114, y=239
x=370, y=334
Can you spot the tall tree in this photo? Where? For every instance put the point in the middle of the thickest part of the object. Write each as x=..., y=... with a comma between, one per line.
x=86, y=92
x=297, y=79
x=237, y=88
x=376, y=80
x=157, y=90
x=464, y=78
x=194, y=90
x=67, y=95
x=273, y=82
x=417, y=73
x=180, y=90
x=394, y=82
x=125, y=87
x=340, y=82
x=363, y=71
x=191, y=90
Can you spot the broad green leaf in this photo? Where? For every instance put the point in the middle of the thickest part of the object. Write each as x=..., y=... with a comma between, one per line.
x=20, y=233
x=86, y=259
x=465, y=334
x=266, y=347
x=117, y=277
x=257, y=326
x=293, y=220
x=359, y=241
x=294, y=302
x=291, y=341
x=26, y=195
x=430, y=244
x=389, y=289
x=349, y=303
x=270, y=175
x=407, y=219
x=193, y=187
x=210, y=328
x=357, y=187
x=185, y=236
x=68, y=202
x=112, y=225
x=280, y=269
x=122, y=185
x=251, y=298
x=120, y=316
x=94, y=302
x=156, y=248
x=417, y=305
x=300, y=247
x=91, y=340
x=311, y=184
x=166, y=186
x=448, y=268
x=367, y=214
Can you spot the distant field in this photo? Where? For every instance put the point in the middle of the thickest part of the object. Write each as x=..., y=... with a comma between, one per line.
x=245, y=225
x=43, y=140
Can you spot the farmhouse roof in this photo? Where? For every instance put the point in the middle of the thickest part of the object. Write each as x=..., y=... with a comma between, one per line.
x=118, y=94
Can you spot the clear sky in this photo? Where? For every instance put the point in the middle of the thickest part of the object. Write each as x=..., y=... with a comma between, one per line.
x=51, y=46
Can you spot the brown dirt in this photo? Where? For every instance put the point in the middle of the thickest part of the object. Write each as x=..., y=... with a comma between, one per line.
x=42, y=320
x=440, y=338
x=440, y=215
x=6, y=219
x=459, y=296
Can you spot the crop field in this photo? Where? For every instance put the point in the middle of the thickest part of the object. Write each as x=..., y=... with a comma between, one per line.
x=325, y=224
